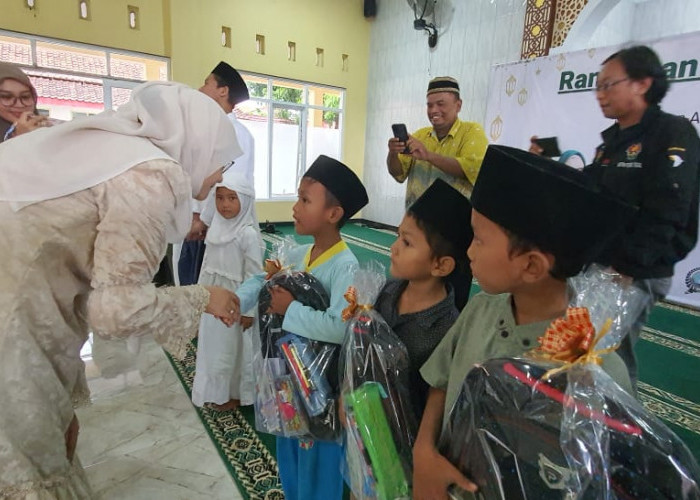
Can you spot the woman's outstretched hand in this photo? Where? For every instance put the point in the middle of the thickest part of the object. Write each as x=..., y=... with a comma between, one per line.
x=224, y=305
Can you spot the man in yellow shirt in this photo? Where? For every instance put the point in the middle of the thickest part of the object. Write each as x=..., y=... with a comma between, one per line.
x=450, y=149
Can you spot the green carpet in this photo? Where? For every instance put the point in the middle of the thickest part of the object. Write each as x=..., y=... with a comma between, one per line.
x=248, y=456
x=668, y=350
x=669, y=370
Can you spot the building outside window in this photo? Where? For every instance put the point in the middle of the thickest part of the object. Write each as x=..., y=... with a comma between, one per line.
x=75, y=79
x=292, y=122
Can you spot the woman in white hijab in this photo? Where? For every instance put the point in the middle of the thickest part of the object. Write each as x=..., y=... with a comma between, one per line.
x=234, y=253
x=86, y=211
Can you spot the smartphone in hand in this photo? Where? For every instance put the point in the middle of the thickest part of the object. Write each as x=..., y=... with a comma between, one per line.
x=401, y=133
x=549, y=145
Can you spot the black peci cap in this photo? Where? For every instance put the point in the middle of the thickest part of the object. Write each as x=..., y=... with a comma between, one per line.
x=448, y=211
x=342, y=182
x=443, y=84
x=554, y=206
x=236, y=86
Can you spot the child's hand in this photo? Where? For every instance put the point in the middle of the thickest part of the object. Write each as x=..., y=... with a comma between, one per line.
x=534, y=147
x=246, y=322
x=433, y=475
x=280, y=298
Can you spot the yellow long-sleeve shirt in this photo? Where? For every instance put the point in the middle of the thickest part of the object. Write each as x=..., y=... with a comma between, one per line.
x=466, y=142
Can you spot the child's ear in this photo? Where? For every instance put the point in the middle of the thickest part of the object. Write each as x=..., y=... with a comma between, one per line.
x=537, y=266
x=335, y=213
x=443, y=266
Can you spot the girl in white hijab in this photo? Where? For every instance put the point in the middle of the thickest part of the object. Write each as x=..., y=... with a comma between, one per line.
x=86, y=209
x=224, y=375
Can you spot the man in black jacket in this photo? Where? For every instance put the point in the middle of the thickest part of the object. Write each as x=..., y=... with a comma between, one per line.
x=650, y=159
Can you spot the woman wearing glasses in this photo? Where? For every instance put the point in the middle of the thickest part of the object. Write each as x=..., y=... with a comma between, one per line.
x=651, y=159
x=90, y=206
x=17, y=103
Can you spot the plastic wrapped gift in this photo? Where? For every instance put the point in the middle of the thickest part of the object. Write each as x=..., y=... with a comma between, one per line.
x=554, y=425
x=296, y=377
x=379, y=418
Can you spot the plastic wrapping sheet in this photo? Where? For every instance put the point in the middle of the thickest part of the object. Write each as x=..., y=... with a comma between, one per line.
x=507, y=436
x=296, y=377
x=533, y=428
x=379, y=419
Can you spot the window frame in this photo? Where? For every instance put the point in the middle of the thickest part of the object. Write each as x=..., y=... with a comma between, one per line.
x=303, y=107
x=108, y=81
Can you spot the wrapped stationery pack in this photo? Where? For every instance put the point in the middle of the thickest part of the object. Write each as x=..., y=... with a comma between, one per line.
x=554, y=425
x=292, y=421
x=379, y=418
x=309, y=366
x=296, y=377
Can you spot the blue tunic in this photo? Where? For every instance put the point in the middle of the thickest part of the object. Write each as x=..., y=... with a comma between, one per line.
x=310, y=470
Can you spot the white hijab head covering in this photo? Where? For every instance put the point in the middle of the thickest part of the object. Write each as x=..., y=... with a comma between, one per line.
x=224, y=230
x=162, y=120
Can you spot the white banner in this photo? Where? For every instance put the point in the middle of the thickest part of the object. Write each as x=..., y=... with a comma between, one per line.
x=554, y=96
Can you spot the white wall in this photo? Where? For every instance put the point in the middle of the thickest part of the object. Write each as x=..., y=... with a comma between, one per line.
x=612, y=22
x=659, y=18
x=478, y=34
x=616, y=28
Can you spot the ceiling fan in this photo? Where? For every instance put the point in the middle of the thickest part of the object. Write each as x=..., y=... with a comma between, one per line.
x=424, y=18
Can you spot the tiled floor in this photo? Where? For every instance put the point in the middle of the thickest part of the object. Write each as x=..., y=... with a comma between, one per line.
x=141, y=438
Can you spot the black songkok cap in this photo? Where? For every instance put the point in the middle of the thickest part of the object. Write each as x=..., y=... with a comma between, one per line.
x=233, y=80
x=443, y=84
x=448, y=211
x=341, y=182
x=554, y=206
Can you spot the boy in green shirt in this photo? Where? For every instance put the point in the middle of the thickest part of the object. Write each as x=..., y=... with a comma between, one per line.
x=536, y=222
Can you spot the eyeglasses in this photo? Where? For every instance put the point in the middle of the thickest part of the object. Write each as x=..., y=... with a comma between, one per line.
x=227, y=166
x=604, y=87
x=7, y=99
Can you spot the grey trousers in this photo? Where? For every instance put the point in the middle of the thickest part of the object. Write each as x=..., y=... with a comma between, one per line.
x=656, y=289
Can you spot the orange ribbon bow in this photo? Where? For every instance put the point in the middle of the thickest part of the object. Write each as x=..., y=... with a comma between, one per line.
x=353, y=307
x=569, y=337
x=572, y=339
x=272, y=267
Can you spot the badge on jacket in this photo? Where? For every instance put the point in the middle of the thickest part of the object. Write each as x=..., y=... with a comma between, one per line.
x=675, y=154
x=633, y=151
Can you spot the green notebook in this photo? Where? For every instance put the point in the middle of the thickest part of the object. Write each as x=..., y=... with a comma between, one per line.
x=366, y=402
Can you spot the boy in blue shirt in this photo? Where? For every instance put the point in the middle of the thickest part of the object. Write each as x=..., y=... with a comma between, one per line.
x=329, y=194
x=536, y=222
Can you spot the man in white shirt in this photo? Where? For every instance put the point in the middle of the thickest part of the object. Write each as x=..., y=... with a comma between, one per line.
x=226, y=86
